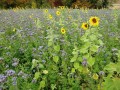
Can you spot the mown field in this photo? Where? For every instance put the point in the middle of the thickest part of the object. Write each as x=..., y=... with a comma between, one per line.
x=59, y=49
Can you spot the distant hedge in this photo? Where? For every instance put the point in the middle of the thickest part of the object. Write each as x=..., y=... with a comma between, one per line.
x=55, y=3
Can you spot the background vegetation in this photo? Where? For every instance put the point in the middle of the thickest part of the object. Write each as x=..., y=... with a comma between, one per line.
x=55, y=3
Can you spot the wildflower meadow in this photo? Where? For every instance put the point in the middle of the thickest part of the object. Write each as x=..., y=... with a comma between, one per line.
x=59, y=49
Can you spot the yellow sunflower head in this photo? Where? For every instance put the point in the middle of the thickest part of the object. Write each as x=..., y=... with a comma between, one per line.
x=94, y=21
x=46, y=10
x=58, y=13
x=50, y=16
x=63, y=31
x=62, y=7
x=85, y=26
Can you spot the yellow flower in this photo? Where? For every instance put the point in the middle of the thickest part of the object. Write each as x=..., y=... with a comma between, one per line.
x=85, y=26
x=14, y=29
x=46, y=10
x=95, y=76
x=62, y=7
x=94, y=21
x=30, y=16
x=70, y=17
x=45, y=71
x=50, y=16
x=63, y=31
x=58, y=13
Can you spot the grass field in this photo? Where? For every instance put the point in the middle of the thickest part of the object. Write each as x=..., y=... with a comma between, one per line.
x=59, y=49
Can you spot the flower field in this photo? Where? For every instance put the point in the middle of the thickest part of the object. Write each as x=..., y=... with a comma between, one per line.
x=59, y=49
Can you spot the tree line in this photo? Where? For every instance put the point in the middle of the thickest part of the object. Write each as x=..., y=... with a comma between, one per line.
x=55, y=3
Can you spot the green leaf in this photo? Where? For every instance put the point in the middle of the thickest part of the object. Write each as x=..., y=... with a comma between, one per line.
x=80, y=68
x=73, y=70
x=92, y=37
x=34, y=63
x=84, y=38
x=57, y=48
x=91, y=61
x=94, y=48
x=55, y=59
x=37, y=75
x=83, y=50
x=75, y=52
x=42, y=85
x=80, y=58
x=117, y=83
x=86, y=56
x=108, y=83
x=41, y=65
x=53, y=86
x=118, y=67
x=76, y=65
x=86, y=45
x=50, y=43
x=100, y=42
x=73, y=59
x=111, y=83
x=110, y=67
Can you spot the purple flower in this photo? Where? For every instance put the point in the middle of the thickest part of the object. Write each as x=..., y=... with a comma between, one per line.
x=101, y=73
x=14, y=80
x=84, y=63
x=84, y=59
x=10, y=72
x=2, y=78
x=15, y=62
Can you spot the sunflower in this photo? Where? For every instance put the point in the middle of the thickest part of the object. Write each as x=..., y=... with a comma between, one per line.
x=94, y=21
x=50, y=16
x=85, y=26
x=62, y=7
x=63, y=31
x=58, y=13
x=46, y=10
